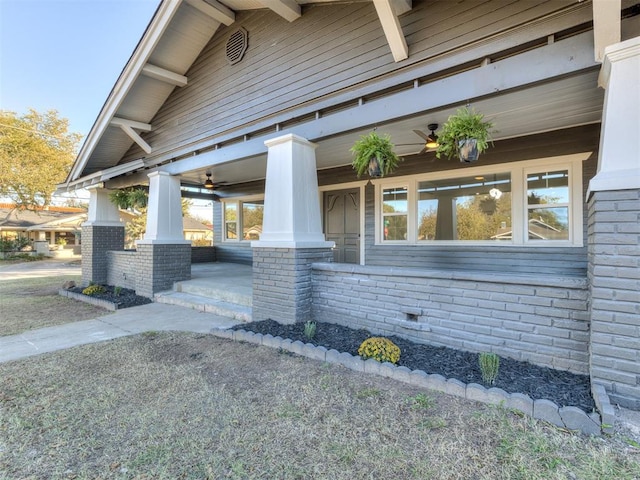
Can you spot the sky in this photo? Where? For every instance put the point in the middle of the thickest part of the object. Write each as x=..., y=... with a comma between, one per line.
x=66, y=55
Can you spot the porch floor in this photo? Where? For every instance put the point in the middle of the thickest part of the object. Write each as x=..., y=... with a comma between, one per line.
x=231, y=277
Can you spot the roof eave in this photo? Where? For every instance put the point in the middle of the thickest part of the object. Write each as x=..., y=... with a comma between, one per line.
x=158, y=25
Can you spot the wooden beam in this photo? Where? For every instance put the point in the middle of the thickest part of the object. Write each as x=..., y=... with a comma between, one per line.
x=401, y=7
x=606, y=25
x=215, y=10
x=136, y=138
x=287, y=9
x=392, y=29
x=164, y=75
x=120, y=122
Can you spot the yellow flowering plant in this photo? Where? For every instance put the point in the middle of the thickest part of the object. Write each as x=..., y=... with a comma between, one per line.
x=380, y=349
x=94, y=290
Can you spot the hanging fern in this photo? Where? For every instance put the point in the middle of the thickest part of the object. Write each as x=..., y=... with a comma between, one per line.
x=129, y=198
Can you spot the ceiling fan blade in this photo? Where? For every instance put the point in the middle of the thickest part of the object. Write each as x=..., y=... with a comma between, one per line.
x=421, y=134
x=424, y=150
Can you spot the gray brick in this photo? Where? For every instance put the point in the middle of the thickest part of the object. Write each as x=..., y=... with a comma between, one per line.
x=436, y=382
x=477, y=392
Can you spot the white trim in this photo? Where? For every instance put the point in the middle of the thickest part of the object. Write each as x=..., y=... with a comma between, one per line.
x=237, y=201
x=346, y=186
x=133, y=135
x=518, y=170
x=392, y=29
x=215, y=10
x=164, y=75
x=287, y=9
x=123, y=122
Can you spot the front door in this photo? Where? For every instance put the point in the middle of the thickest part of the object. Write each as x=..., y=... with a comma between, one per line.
x=342, y=224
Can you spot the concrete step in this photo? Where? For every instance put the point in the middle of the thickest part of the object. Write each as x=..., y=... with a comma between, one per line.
x=205, y=304
x=236, y=294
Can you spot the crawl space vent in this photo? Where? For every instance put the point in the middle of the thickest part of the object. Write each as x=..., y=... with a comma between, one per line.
x=237, y=45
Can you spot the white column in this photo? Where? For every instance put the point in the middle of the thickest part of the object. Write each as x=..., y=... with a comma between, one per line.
x=619, y=157
x=291, y=203
x=164, y=210
x=52, y=238
x=102, y=212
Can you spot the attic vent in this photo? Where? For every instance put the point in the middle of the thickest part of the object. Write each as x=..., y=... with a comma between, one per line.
x=237, y=45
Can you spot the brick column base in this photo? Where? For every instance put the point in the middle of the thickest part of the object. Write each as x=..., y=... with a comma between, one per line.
x=160, y=265
x=614, y=283
x=282, y=282
x=97, y=240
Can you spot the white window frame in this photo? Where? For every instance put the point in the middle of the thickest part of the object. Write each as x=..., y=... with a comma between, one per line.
x=519, y=206
x=237, y=201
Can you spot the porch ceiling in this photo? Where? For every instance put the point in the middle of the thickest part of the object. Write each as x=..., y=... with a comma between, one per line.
x=564, y=103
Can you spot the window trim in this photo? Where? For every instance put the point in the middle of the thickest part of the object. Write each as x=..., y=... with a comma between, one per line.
x=518, y=172
x=237, y=201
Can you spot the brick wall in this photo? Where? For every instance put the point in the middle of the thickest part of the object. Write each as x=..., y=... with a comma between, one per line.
x=614, y=279
x=203, y=254
x=282, y=282
x=97, y=240
x=122, y=269
x=160, y=265
x=540, y=319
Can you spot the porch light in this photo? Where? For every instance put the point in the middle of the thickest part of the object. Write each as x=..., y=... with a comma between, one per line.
x=432, y=139
x=209, y=183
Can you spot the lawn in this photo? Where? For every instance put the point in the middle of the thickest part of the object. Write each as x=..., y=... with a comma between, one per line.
x=192, y=406
x=179, y=405
x=30, y=303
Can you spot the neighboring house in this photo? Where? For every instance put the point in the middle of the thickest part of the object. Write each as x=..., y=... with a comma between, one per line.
x=199, y=233
x=62, y=226
x=55, y=225
x=266, y=103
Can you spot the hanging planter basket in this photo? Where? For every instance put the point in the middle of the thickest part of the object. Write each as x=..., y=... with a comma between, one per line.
x=464, y=135
x=373, y=154
x=374, y=169
x=468, y=151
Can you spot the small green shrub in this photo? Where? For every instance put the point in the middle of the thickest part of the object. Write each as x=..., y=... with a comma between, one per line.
x=94, y=290
x=117, y=291
x=489, y=366
x=310, y=330
x=379, y=348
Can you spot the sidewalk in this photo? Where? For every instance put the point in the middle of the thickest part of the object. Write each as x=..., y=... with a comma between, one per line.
x=129, y=321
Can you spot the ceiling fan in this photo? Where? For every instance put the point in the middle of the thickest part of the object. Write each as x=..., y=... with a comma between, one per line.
x=209, y=185
x=431, y=140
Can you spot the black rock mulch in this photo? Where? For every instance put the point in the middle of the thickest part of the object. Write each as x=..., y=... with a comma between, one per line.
x=126, y=297
x=563, y=388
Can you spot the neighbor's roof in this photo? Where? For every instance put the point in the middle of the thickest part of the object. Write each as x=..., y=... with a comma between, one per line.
x=13, y=218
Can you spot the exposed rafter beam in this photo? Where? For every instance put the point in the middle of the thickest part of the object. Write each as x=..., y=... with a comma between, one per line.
x=401, y=6
x=120, y=122
x=164, y=75
x=392, y=29
x=215, y=10
x=606, y=25
x=127, y=126
x=287, y=9
x=136, y=138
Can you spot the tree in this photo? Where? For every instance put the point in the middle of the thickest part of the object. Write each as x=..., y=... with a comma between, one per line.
x=135, y=200
x=36, y=153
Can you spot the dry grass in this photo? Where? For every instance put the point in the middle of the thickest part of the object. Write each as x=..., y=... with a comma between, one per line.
x=30, y=303
x=187, y=406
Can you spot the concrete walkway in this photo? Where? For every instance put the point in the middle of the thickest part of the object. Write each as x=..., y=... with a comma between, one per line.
x=129, y=321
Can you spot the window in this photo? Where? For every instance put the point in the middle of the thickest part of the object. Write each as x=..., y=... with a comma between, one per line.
x=243, y=219
x=394, y=213
x=535, y=202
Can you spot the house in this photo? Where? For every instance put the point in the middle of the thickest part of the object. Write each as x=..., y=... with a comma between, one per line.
x=52, y=226
x=265, y=99
x=61, y=227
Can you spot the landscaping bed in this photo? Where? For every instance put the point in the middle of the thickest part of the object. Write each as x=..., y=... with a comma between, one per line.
x=117, y=297
x=561, y=387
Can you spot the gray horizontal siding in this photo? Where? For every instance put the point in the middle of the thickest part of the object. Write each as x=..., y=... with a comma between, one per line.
x=331, y=49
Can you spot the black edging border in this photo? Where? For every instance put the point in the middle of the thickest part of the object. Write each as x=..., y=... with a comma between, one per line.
x=571, y=418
